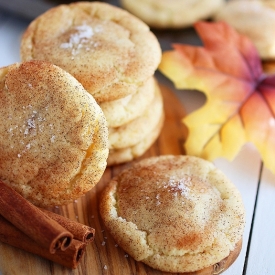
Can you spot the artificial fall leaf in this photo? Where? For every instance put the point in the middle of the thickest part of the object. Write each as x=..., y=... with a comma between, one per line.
x=240, y=98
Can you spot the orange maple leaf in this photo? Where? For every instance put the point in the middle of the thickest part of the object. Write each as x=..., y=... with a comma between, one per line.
x=240, y=104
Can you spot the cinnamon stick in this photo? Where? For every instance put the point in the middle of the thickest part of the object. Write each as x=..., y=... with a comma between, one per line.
x=13, y=236
x=32, y=221
x=80, y=231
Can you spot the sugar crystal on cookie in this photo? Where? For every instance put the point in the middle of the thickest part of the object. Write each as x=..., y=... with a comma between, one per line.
x=82, y=37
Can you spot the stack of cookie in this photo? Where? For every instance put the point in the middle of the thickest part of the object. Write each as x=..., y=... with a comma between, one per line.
x=134, y=122
x=114, y=56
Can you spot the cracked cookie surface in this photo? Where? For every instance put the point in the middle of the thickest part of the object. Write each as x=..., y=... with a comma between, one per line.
x=174, y=213
x=54, y=136
x=108, y=50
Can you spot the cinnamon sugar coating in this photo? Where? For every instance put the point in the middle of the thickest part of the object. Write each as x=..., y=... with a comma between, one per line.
x=108, y=50
x=54, y=137
x=174, y=213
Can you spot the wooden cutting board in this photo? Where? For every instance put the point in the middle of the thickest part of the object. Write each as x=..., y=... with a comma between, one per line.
x=103, y=256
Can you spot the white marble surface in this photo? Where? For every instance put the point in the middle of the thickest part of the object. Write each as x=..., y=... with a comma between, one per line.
x=256, y=183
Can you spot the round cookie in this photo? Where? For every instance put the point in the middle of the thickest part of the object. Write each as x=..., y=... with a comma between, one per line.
x=253, y=19
x=54, y=136
x=172, y=13
x=118, y=156
x=175, y=214
x=122, y=111
x=108, y=50
x=136, y=130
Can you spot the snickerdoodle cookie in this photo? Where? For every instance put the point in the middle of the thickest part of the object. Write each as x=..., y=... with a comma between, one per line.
x=136, y=130
x=175, y=213
x=172, y=13
x=124, y=110
x=54, y=138
x=108, y=50
x=117, y=156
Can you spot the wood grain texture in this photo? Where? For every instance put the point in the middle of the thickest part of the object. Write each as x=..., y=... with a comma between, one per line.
x=103, y=256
